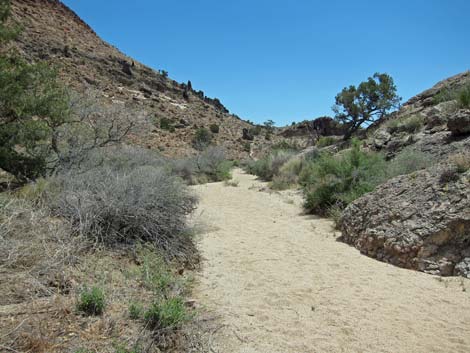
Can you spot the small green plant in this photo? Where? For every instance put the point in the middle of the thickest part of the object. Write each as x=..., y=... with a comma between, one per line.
x=202, y=139
x=214, y=128
x=246, y=146
x=324, y=141
x=166, y=314
x=167, y=124
x=91, y=301
x=135, y=311
x=224, y=171
x=411, y=124
x=461, y=95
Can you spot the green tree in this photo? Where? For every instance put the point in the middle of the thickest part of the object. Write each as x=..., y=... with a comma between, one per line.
x=33, y=104
x=366, y=103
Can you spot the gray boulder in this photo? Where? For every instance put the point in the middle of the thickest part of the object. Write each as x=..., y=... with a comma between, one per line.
x=459, y=123
x=419, y=221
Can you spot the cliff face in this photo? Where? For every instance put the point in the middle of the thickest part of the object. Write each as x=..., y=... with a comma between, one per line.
x=54, y=33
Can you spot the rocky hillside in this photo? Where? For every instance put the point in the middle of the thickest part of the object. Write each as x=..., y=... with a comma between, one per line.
x=421, y=220
x=54, y=33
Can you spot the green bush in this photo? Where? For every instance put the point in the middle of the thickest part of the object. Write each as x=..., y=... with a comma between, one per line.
x=202, y=139
x=463, y=97
x=135, y=311
x=214, y=128
x=166, y=314
x=340, y=179
x=167, y=124
x=460, y=94
x=91, y=301
x=324, y=141
x=411, y=124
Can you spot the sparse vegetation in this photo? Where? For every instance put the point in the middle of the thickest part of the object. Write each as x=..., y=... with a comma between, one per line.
x=209, y=166
x=122, y=201
x=166, y=314
x=214, y=128
x=202, y=139
x=461, y=161
x=325, y=141
x=91, y=301
x=410, y=124
x=461, y=95
x=269, y=166
x=167, y=124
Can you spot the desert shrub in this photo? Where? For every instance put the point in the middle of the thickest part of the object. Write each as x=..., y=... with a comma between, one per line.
x=166, y=314
x=411, y=124
x=135, y=311
x=288, y=175
x=202, y=139
x=408, y=161
x=340, y=179
x=324, y=141
x=167, y=124
x=286, y=145
x=246, y=146
x=214, y=128
x=209, y=166
x=91, y=301
x=461, y=95
x=461, y=161
x=283, y=181
x=256, y=130
x=120, y=205
x=270, y=165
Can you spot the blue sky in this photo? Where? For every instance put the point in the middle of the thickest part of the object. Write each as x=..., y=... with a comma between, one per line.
x=286, y=60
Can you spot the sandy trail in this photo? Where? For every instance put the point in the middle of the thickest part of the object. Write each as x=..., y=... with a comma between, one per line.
x=280, y=282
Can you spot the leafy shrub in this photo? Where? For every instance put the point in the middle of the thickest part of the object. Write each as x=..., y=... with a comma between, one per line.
x=410, y=124
x=324, y=141
x=214, y=128
x=340, y=179
x=91, y=301
x=166, y=314
x=270, y=165
x=288, y=175
x=209, y=165
x=135, y=311
x=202, y=139
x=113, y=203
x=460, y=94
x=463, y=97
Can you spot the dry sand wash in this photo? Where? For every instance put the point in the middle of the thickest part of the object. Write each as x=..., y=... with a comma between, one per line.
x=280, y=282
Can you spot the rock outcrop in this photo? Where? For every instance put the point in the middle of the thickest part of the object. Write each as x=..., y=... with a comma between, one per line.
x=419, y=221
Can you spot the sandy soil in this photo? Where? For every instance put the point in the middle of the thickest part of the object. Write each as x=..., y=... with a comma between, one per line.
x=280, y=282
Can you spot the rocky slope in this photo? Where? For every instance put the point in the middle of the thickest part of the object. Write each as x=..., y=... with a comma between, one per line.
x=421, y=220
x=54, y=33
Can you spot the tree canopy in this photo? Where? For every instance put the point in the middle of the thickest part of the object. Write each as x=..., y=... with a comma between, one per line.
x=366, y=103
